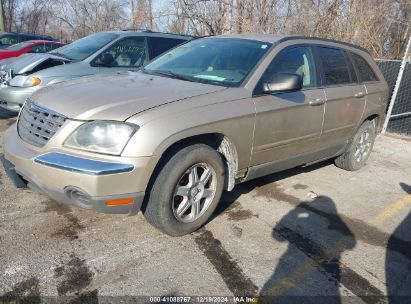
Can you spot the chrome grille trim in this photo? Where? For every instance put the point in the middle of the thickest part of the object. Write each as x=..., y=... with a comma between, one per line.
x=38, y=124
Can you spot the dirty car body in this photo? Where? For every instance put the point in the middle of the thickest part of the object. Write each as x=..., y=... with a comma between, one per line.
x=22, y=76
x=199, y=119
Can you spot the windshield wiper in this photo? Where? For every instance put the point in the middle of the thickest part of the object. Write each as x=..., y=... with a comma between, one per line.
x=61, y=55
x=169, y=74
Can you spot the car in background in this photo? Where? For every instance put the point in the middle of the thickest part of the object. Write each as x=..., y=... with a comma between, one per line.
x=30, y=46
x=98, y=53
x=7, y=39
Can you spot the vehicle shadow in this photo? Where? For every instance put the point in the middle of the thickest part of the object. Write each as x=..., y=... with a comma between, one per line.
x=309, y=271
x=398, y=266
x=229, y=198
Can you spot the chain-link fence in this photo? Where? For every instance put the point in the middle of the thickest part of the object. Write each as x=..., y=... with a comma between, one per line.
x=400, y=121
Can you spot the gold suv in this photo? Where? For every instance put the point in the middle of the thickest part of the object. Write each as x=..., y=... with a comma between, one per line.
x=213, y=112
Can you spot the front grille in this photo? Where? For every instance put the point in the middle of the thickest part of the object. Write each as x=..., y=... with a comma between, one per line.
x=37, y=124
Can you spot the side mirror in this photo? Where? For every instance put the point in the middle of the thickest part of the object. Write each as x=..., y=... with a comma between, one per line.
x=105, y=59
x=283, y=82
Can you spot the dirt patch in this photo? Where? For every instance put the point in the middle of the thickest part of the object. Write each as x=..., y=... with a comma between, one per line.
x=238, y=232
x=77, y=276
x=71, y=230
x=276, y=192
x=59, y=271
x=300, y=187
x=24, y=292
x=224, y=264
x=51, y=206
x=240, y=215
x=90, y=297
x=235, y=212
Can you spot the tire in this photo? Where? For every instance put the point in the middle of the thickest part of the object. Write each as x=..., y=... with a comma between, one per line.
x=359, y=149
x=176, y=187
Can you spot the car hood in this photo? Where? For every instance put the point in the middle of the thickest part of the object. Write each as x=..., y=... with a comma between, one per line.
x=116, y=96
x=27, y=62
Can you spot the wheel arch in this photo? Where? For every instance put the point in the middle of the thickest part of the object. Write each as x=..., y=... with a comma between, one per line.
x=218, y=141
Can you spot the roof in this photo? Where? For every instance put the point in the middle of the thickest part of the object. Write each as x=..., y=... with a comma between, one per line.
x=138, y=32
x=281, y=38
x=43, y=41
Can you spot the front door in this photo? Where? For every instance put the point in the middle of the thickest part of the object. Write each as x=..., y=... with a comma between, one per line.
x=288, y=124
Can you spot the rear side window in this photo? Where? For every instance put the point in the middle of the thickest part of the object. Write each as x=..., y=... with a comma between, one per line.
x=335, y=66
x=160, y=45
x=364, y=70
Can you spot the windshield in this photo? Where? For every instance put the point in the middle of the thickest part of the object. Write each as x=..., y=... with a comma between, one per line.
x=19, y=46
x=83, y=48
x=219, y=61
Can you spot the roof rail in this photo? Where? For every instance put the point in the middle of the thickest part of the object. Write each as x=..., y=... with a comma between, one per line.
x=136, y=29
x=156, y=32
x=323, y=39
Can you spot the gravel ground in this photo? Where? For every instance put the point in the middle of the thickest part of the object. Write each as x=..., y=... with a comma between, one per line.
x=316, y=231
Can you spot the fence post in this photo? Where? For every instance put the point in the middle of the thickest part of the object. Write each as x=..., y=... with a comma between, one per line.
x=397, y=86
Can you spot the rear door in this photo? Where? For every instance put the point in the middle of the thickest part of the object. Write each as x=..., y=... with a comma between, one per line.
x=345, y=97
x=377, y=93
x=288, y=123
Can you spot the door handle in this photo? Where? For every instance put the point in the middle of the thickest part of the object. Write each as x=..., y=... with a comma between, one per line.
x=316, y=102
x=359, y=95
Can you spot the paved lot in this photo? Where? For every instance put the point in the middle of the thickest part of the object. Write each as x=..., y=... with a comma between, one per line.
x=315, y=231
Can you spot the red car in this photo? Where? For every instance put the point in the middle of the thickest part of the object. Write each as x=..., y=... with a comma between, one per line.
x=31, y=46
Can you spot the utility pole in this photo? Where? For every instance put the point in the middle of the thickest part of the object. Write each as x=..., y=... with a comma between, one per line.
x=1, y=17
x=397, y=86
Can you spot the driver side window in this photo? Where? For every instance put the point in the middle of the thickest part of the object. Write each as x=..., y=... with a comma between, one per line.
x=128, y=52
x=297, y=60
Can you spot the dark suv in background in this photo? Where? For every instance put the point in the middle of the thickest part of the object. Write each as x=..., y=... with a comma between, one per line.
x=8, y=39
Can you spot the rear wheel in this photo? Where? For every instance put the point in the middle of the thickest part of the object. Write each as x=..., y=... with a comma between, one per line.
x=186, y=191
x=360, y=148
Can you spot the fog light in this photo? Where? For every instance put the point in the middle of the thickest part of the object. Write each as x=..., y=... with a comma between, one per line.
x=79, y=196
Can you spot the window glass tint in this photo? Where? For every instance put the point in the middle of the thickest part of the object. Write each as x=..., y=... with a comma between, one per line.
x=335, y=66
x=353, y=74
x=8, y=39
x=83, y=48
x=365, y=71
x=298, y=60
x=160, y=45
x=218, y=61
x=54, y=46
x=42, y=48
x=128, y=52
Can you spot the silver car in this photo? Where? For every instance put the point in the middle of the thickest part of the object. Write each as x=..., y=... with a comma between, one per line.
x=99, y=53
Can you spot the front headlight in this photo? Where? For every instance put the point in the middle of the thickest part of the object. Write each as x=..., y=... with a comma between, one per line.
x=24, y=81
x=108, y=137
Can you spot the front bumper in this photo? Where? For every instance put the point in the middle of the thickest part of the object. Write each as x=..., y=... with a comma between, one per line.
x=75, y=196
x=13, y=98
x=100, y=185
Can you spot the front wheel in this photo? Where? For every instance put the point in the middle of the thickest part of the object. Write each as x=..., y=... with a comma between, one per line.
x=359, y=149
x=186, y=191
